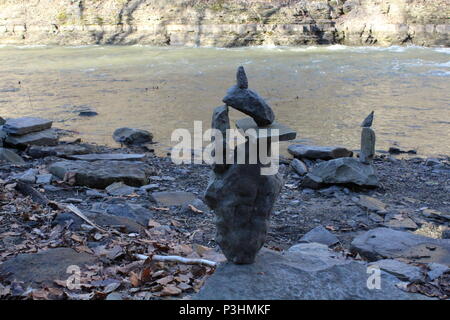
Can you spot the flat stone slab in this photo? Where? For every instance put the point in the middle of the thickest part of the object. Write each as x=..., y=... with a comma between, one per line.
x=284, y=132
x=45, y=266
x=341, y=171
x=133, y=212
x=401, y=270
x=62, y=150
x=317, y=152
x=175, y=198
x=287, y=276
x=10, y=156
x=385, y=243
x=47, y=137
x=107, y=156
x=100, y=174
x=320, y=235
x=21, y=126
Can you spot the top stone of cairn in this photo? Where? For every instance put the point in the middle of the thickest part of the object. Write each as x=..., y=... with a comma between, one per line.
x=248, y=101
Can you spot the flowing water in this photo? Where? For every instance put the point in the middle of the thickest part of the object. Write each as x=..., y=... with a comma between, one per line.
x=322, y=92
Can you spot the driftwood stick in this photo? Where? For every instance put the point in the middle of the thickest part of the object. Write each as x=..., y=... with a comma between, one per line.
x=179, y=259
x=77, y=212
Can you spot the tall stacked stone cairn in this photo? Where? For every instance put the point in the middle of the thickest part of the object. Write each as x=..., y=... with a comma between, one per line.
x=240, y=195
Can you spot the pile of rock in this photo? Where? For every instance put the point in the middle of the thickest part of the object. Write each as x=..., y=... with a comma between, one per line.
x=336, y=165
x=22, y=132
x=240, y=195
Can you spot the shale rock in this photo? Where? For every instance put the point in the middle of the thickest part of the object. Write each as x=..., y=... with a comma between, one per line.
x=47, y=137
x=131, y=136
x=316, y=152
x=21, y=126
x=10, y=156
x=367, y=145
x=341, y=171
x=100, y=174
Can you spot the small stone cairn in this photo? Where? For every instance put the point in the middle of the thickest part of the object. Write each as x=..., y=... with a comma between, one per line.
x=240, y=195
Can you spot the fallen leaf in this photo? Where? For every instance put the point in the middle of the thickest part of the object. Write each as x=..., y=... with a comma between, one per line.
x=134, y=279
x=170, y=290
x=194, y=209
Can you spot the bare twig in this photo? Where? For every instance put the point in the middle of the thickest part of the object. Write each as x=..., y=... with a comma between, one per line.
x=179, y=259
x=77, y=212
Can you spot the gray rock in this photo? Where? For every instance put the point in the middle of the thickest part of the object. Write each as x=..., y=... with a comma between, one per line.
x=2, y=121
x=221, y=122
x=283, y=133
x=47, y=137
x=250, y=103
x=367, y=145
x=431, y=162
x=241, y=78
x=330, y=191
x=21, y=126
x=383, y=243
x=436, y=270
x=173, y=198
x=446, y=234
x=100, y=174
x=298, y=276
x=28, y=176
x=3, y=136
x=44, y=267
x=299, y=167
x=368, y=120
x=371, y=204
x=131, y=136
x=341, y=171
x=44, y=178
x=62, y=150
x=242, y=200
x=107, y=156
x=149, y=187
x=119, y=189
x=134, y=212
x=320, y=235
x=95, y=194
x=404, y=223
x=316, y=152
x=401, y=270
x=10, y=156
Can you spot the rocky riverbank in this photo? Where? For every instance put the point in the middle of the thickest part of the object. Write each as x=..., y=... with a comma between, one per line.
x=225, y=23
x=102, y=208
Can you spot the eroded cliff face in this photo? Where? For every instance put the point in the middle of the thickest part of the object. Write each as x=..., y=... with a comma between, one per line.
x=225, y=23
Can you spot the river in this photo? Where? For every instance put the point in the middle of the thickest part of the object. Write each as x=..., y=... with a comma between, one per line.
x=323, y=92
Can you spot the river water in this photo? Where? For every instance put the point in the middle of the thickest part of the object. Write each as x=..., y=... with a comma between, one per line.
x=322, y=92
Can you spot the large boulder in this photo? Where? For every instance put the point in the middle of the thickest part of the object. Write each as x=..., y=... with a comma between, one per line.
x=21, y=126
x=341, y=171
x=307, y=272
x=100, y=174
x=317, y=152
x=385, y=243
x=131, y=136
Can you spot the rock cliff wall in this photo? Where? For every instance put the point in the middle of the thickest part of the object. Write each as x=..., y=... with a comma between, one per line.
x=225, y=23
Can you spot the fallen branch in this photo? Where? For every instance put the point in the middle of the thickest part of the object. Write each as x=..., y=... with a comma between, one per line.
x=179, y=259
x=77, y=212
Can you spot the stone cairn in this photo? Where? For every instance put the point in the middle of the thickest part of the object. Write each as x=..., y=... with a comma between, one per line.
x=367, y=140
x=240, y=195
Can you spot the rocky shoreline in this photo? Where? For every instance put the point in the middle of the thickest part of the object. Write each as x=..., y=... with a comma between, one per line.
x=225, y=23
x=134, y=203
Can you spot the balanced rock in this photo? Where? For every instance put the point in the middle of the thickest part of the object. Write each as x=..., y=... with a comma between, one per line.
x=316, y=152
x=274, y=130
x=367, y=123
x=21, y=126
x=100, y=174
x=384, y=243
x=242, y=200
x=248, y=101
x=367, y=145
x=131, y=136
x=341, y=171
